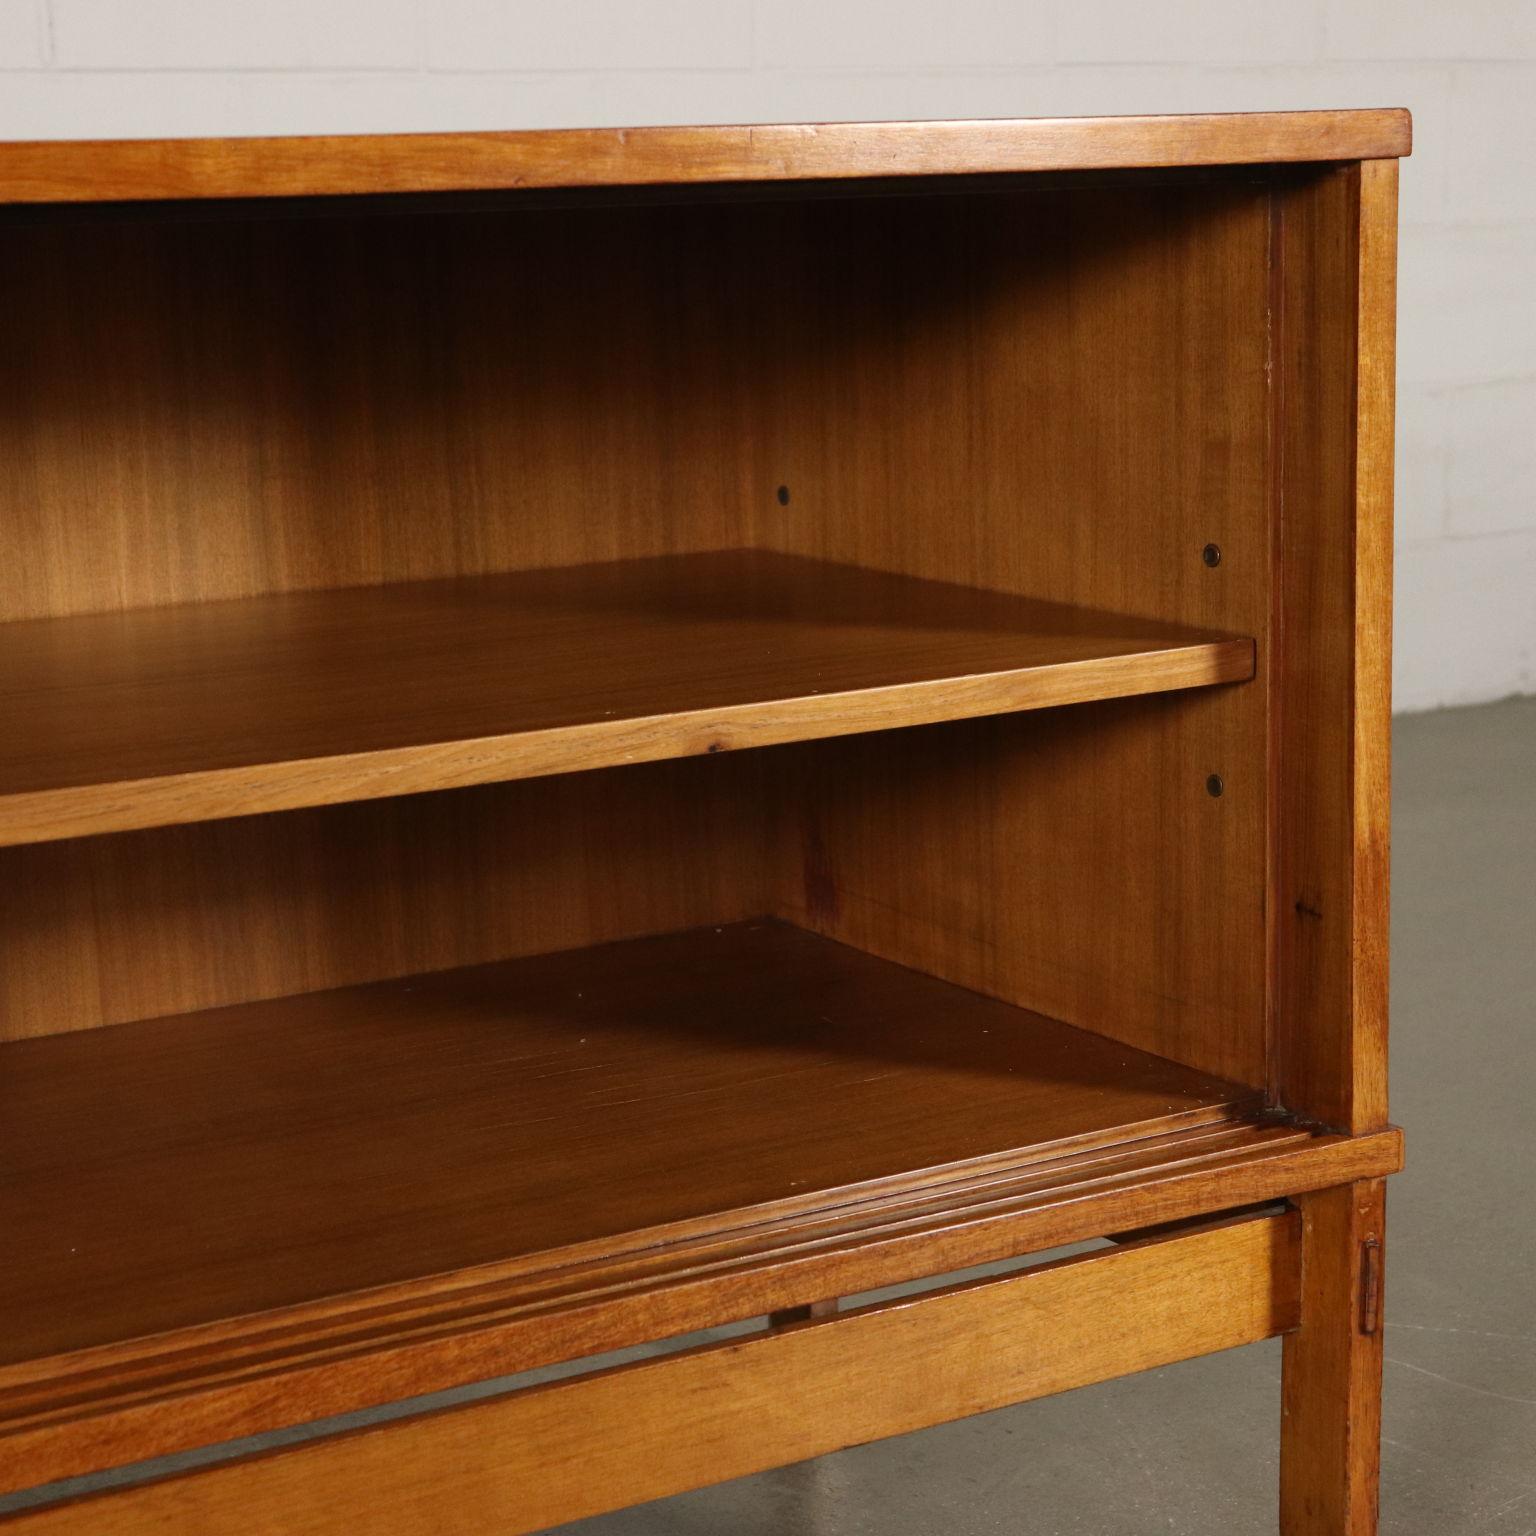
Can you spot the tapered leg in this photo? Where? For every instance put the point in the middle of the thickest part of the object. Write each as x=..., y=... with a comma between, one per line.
x=1330, y=1434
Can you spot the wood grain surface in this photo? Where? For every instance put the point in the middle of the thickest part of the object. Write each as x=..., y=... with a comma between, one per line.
x=135, y=1399
x=137, y=925
x=537, y=1458
x=361, y=399
x=432, y=162
x=979, y=444
x=202, y=408
x=336, y=1141
x=199, y=711
x=1330, y=1436
x=1337, y=254
x=386, y=499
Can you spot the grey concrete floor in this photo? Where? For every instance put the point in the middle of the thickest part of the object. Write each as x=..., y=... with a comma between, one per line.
x=1192, y=1448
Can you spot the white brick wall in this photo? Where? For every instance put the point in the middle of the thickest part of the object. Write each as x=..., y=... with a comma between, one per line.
x=1467, y=457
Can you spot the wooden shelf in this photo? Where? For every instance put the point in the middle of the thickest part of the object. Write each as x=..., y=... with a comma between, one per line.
x=174, y=1172
x=225, y=1202
x=195, y=712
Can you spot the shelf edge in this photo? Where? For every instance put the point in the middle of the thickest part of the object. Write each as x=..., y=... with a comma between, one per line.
x=52, y=815
x=281, y=1373
x=542, y=1456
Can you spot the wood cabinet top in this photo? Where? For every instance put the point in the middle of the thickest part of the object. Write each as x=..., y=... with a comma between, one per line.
x=136, y=170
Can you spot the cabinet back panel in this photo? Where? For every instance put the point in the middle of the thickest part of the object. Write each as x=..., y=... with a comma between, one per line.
x=1060, y=391
x=108, y=929
x=210, y=409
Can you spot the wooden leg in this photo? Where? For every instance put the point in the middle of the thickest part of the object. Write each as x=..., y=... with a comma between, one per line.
x=1330, y=1434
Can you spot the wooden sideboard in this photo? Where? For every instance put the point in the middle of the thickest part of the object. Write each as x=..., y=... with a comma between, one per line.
x=612, y=732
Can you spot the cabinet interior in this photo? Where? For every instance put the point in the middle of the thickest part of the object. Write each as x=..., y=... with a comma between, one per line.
x=814, y=645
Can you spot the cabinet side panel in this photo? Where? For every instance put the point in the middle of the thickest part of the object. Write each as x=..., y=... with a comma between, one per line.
x=1063, y=393
x=108, y=929
x=1337, y=266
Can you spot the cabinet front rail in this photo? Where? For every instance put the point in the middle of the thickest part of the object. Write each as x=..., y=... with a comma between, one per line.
x=546, y=1455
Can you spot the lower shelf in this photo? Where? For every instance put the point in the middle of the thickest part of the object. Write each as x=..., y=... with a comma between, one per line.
x=289, y=1209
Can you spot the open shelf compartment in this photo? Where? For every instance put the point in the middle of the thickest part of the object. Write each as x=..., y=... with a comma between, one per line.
x=285, y=1183
x=178, y=1171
